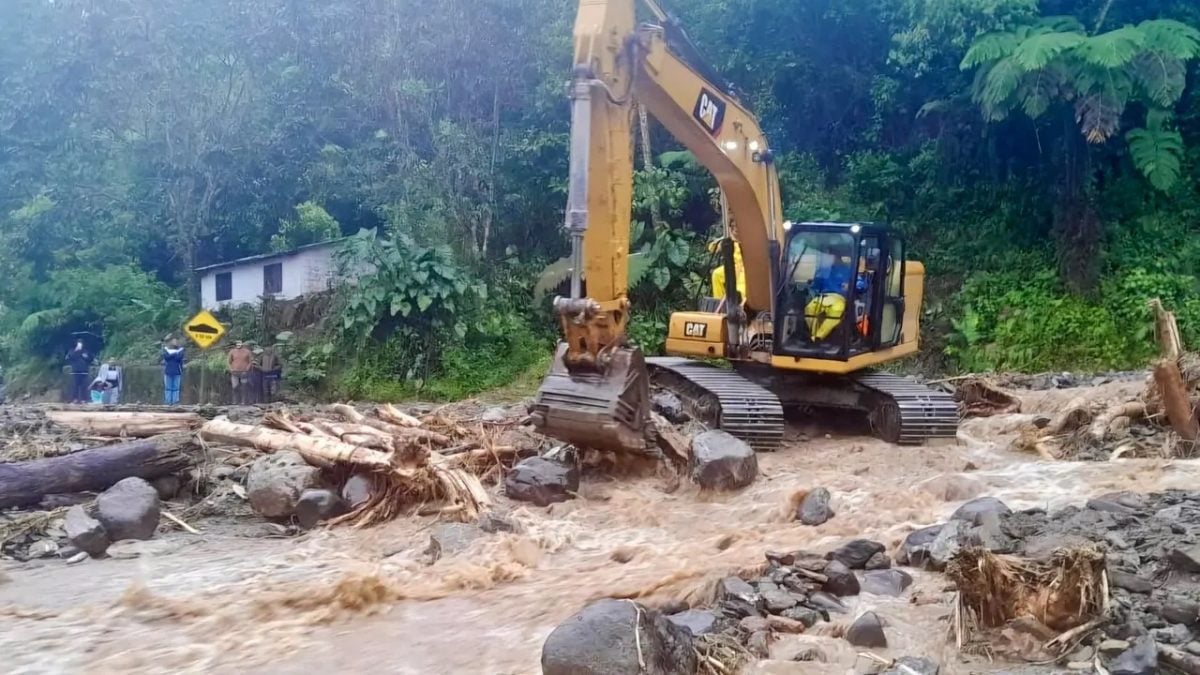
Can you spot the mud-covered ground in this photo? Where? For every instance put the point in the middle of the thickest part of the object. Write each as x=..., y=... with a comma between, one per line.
x=239, y=597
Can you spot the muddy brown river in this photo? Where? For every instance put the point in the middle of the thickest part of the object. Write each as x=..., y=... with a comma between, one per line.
x=365, y=600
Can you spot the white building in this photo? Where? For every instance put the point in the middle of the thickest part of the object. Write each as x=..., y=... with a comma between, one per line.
x=286, y=275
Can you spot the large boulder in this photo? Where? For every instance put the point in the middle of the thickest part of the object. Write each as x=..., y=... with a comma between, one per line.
x=948, y=542
x=886, y=582
x=276, y=481
x=974, y=511
x=85, y=532
x=915, y=549
x=542, y=481
x=129, y=510
x=721, y=461
x=867, y=631
x=614, y=637
x=695, y=621
x=856, y=553
x=317, y=506
x=842, y=581
x=815, y=509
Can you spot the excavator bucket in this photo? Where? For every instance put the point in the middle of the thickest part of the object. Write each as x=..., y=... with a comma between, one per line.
x=606, y=409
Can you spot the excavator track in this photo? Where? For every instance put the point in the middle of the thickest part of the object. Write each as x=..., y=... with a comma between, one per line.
x=906, y=412
x=723, y=399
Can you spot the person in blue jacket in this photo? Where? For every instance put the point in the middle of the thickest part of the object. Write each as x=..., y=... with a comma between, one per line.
x=173, y=357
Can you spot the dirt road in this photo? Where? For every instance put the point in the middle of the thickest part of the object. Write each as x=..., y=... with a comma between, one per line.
x=351, y=601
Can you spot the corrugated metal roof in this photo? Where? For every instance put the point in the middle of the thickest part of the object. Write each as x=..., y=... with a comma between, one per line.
x=269, y=256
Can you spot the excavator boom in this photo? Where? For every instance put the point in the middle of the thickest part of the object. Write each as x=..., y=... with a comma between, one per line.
x=597, y=393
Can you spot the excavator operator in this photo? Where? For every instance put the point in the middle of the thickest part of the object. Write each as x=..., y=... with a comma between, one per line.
x=830, y=286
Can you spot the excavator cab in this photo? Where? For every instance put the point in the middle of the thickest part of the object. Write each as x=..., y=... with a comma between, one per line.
x=841, y=291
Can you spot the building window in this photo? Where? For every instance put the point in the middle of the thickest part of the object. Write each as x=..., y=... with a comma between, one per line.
x=273, y=279
x=224, y=286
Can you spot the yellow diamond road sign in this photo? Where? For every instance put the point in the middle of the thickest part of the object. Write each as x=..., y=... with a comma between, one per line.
x=204, y=329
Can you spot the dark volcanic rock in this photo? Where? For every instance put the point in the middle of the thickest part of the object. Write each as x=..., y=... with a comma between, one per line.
x=1140, y=659
x=948, y=542
x=777, y=600
x=827, y=602
x=974, y=510
x=805, y=615
x=915, y=549
x=668, y=405
x=879, y=561
x=867, y=631
x=721, y=461
x=541, y=481
x=696, y=621
x=1186, y=559
x=602, y=640
x=815, y=509
x=855, y=554
x=358, y=490
x=886, y=582
x=842, y=581
x=129, y=510
x=85, y=532
x=276, y=481
x=317, y=506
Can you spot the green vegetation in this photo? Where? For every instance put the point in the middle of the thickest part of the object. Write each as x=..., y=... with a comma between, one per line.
x=1042, y=156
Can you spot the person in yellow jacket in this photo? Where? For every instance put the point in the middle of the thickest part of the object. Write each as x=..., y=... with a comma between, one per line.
x=718, y=273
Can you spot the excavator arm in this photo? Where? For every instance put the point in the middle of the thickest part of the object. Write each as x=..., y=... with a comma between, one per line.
x=597, y=393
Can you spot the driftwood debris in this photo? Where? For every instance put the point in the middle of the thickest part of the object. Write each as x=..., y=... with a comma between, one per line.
x=409, y=473
x=1172, y=388
x=124, y=424
x=25, y=483
x=980, y=398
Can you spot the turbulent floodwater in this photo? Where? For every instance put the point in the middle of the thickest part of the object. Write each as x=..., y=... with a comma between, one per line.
x=349, y=601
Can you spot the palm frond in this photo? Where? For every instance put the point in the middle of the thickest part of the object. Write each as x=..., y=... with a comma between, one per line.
x=988, y=48
x=1172, y=38
x=1162, y=77
x=1113, y=49
x=1038, y=51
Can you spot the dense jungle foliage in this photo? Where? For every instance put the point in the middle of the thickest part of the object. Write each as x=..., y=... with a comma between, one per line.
x=1042, y=156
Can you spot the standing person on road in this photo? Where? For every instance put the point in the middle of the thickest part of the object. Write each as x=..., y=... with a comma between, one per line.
x=173, y=359
x=272, y=372
x=241, y=359
x=80, y=362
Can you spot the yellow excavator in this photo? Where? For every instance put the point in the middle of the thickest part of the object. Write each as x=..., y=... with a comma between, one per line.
x=806, y=311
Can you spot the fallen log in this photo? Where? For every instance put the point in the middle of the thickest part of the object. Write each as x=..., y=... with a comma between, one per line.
x=1076, y=414
x=316, y=450
x=25, y=483
x=125, y=424
x=1103, y=423
x=393, y=422
x=389, y=413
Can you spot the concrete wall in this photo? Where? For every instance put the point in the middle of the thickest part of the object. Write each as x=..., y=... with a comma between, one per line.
x=307, y=271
